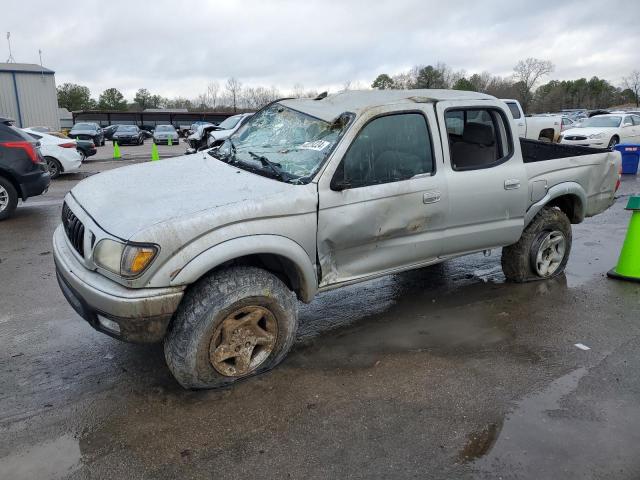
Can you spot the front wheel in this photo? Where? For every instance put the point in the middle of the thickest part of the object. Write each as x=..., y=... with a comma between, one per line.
x=233, y=324
x=613, y=142
x=543, y=249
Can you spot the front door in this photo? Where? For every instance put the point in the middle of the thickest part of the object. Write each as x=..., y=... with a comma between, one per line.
x=383, y=197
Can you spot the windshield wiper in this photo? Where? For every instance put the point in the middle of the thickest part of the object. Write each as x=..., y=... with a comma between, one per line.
x=276, y=168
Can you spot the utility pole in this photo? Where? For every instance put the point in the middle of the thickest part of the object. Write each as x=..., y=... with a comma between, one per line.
x=10, y=59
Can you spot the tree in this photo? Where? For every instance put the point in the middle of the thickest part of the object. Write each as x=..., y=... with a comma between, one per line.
x=632, y=82
x=233, y=88
x=143, y=98
x=112, y=99
x=430, y=77
x=213, y=90
x=464, y=84
x=528, y=73
x=74, y=97
x=383, y=82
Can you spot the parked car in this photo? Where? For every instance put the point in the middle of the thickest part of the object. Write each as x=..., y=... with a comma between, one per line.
x=146, y=133
x=109, y=131
x=199, y=139
x=88, y=131
x=60, y=154
x=86, y=148
x=218, y=134
x=604, y=131
x=128, y=134
x=163, y=133
x=23, y=171
x=313, y=195
x=543, y=128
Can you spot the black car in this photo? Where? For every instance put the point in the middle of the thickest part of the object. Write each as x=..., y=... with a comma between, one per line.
x=86, y=148
x=128, y=135
x=87, y=131
x=23, y=171
x=109, y=131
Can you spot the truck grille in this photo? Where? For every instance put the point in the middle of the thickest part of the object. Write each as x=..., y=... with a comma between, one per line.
x=73, y=228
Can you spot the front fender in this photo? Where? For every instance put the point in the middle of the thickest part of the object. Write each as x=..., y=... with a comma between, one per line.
x=251, y=245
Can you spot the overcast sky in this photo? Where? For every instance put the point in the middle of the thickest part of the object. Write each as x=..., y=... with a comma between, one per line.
x=175, y=48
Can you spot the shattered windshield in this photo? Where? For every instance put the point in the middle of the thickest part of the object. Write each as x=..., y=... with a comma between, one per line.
x=283, y=143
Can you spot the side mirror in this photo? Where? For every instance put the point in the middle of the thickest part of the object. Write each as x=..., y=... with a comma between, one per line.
x=339, y=185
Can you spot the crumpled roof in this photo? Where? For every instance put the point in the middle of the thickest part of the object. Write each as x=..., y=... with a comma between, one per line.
x=357, y=101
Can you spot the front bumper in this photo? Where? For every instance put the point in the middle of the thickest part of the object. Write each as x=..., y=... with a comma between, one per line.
x=589, y=142
x=165, y=141
x=126, y=141
x=142, y=315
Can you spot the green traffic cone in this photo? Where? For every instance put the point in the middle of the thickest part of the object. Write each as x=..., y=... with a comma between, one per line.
x=154, y=153
x=170, y=142
x=628, y=267
x=116, y=151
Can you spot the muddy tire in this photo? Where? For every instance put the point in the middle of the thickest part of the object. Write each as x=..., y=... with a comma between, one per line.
x=543, y=249
x=8, y=198
x=232, y=324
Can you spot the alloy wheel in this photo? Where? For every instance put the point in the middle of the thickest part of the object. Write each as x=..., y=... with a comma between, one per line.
x=243, y=341
x=550, y=253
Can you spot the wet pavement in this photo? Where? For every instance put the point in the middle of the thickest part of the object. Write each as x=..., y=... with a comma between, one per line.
x=444, y=372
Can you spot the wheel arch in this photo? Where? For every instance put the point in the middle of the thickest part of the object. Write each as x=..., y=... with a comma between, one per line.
x=569, y=197
x=11, y=179
x=548, y=133
x=278, y=255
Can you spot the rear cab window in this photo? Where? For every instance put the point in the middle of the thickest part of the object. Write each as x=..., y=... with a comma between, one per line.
x=478, y=138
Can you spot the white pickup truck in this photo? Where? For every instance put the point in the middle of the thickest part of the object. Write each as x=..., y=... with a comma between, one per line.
x=544, y=128
x=211, y=252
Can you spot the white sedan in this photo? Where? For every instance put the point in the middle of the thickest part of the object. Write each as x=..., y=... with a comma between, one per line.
x=60, y=153
x=604, y=131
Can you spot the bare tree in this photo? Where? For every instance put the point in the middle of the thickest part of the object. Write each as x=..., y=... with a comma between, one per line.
x=213, y=91
x=632, y=82
x=346, y=85
x=233, y=88
x=528, y=73
x=298, y=91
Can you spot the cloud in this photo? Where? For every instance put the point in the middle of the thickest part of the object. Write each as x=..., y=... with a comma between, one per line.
x=176, y=48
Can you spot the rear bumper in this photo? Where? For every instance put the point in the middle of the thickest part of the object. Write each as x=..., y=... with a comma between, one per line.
x=141, y=315
x=34, y=183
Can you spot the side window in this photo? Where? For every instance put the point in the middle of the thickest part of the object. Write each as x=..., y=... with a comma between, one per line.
x=388, y=149
x=480, y=138
x=636, y=119
x=627, y=121
x=515, y=111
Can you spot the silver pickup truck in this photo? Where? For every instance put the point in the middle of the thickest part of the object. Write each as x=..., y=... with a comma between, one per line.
x=211, y=252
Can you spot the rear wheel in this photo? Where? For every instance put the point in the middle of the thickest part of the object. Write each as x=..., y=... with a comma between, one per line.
x=232, y=324
x=55, y=169
x=543, y=249
x=8, y=198
x=83, y=156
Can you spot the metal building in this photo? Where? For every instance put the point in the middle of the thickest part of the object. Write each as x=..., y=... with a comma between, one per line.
x=28, y=95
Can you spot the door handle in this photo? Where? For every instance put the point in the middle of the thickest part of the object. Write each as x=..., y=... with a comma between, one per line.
x=512, y=184
x=431, y=197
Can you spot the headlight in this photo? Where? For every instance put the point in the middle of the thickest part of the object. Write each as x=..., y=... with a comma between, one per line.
x=597, y=135
x=123, y=259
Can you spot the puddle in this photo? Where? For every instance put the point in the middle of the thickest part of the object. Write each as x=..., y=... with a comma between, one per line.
x=49, y=460
x=526, y=437
x=479, y=443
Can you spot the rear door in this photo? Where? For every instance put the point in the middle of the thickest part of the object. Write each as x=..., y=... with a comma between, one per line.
x=383, y=196
x=487, y=183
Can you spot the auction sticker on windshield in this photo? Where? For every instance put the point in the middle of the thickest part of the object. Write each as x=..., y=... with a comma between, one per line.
x=316, y=145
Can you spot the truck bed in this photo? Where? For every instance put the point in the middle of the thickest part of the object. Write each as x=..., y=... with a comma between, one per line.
x=536, y=151
x=595, y=170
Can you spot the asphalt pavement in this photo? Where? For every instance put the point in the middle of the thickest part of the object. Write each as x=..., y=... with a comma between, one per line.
x=444, y=372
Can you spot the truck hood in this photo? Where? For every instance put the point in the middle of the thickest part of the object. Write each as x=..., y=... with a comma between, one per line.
x=127, y=200
x=585, y=132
